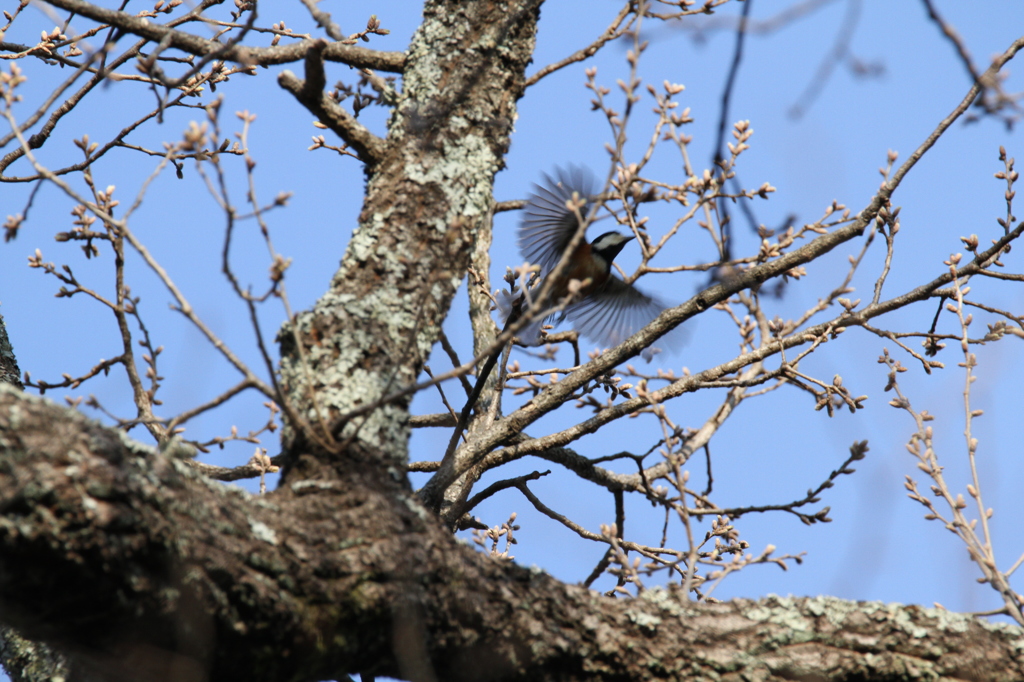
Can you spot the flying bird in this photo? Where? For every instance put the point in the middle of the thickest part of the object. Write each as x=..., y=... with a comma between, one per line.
x=607, y=310
x=603, y=308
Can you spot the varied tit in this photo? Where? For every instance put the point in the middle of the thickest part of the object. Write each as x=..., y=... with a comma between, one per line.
x=605, y=310
x=608, y=311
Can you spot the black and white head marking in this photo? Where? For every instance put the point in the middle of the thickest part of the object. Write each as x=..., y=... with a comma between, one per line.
x=607, y=246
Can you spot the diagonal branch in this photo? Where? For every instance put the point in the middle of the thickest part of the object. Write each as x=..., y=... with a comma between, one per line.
x=359, y=57
x=553, y=397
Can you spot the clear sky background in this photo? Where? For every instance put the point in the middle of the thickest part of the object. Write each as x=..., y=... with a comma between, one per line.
x=774, y=448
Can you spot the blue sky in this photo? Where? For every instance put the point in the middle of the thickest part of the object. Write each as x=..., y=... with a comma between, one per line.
x=775, y=447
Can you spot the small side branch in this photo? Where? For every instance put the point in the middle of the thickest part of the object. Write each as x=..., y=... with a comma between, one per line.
x=310, y=94
x=494, y=488
x=255, y=468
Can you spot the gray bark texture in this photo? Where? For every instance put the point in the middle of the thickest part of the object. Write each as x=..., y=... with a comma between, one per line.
x=139, y=568
x=158, y=573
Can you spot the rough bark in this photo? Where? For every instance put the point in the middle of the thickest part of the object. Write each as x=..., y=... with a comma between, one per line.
x=154, y=569
x=9, y=372
x=28, y=661
x=23, y=659
x=427, y=198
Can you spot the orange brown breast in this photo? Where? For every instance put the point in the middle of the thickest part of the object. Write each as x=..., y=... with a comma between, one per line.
x=584, y=265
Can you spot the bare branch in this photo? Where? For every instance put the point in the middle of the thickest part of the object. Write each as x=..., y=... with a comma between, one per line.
x=353, y=56
x=310, y=93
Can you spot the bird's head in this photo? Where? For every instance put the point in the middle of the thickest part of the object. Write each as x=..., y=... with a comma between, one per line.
x=608, y=245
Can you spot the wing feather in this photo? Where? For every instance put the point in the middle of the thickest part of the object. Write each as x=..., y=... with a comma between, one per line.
x=608, y=316
x=617, y=311
x=548, y=225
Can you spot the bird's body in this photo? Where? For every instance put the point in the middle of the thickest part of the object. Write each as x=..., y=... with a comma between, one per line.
x=606, y=309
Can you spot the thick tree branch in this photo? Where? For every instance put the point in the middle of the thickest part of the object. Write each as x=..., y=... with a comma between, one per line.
x=152, y=567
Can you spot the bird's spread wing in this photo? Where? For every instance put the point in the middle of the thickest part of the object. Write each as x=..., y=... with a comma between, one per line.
x=547, y=225
x=607, y=316
x=616, y=312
